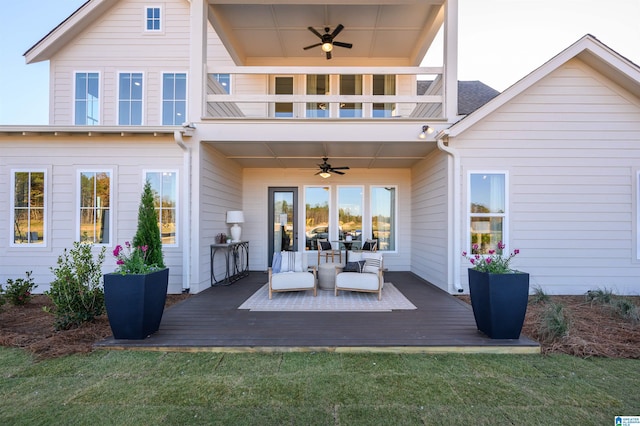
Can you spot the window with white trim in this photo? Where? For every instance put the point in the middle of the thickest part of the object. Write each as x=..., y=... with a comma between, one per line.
x=316, y=200
x=28, y=206
x=94, y=223
x=384, y=84
x=130, y=99
x=174, y=99
x=350, y=206
x=224, y=80
x=487, y=210
x=153, y=19
x=350, y=85
x=383, y=216
x=164, y=185
x=87, y=99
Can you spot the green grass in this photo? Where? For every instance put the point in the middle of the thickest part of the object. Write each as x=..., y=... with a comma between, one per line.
x=150, y=388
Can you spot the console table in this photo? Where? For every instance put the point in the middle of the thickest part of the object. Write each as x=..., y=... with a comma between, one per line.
x=236, y=261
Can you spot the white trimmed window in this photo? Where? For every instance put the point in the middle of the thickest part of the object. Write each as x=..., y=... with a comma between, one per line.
x=383, y=216
x=350, y=207
x=94, y=201
x=384, y=84
x=153, y=18
x=316, y=200
x=130, y=92
x=28, y=207
x=87, y=99
x=174, y=99
x=164, y=185
x=487, y=210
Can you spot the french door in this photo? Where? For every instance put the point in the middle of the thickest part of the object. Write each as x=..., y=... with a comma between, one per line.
x=283, y=220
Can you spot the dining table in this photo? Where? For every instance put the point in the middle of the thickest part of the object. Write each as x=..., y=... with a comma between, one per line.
x=348, y=245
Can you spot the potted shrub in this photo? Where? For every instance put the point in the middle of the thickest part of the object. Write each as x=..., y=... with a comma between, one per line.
x=499, y=294
x=135, y=294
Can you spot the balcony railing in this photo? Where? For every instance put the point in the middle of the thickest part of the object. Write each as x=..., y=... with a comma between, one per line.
x=419, y=93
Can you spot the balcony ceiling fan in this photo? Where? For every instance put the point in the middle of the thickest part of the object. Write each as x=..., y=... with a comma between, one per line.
x=326, y=169
x=326, y=40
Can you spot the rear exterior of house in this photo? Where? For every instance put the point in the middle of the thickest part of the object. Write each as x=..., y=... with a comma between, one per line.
x=217, y=103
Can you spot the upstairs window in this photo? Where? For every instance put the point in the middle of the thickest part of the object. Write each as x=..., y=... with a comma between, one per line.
x=130, y=99
x=317, y=85
x=487, y=211
x=384, y=84
x=224, y=80
x=87, y=99
x=350, y=85
x=153, y=19
x=95, y=207
x=284, y=86
x=174, y=99
x=29, y=214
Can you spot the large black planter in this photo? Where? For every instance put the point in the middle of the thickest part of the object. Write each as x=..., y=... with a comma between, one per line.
x=499, y=302
x=135, y=303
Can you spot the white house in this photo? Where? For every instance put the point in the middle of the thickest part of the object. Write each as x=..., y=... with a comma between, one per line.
x=219, y=105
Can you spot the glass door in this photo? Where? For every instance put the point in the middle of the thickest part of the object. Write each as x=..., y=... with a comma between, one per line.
x=283, y=228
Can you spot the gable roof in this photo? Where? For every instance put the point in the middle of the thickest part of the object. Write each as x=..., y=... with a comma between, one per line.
x=589, y=50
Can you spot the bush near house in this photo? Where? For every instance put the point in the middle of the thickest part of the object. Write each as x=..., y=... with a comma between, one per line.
x=18, y=292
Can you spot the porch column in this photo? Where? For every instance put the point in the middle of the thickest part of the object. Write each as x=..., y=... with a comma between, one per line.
x=197, y=60
x=451, y=60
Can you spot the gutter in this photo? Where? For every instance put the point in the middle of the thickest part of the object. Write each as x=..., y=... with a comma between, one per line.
x=186, y=206
x=454, y=202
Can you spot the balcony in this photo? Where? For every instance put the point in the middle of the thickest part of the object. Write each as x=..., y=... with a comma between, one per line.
x=367, y=93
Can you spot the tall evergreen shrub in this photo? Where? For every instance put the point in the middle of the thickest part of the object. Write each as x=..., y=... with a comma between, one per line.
x=148, y=233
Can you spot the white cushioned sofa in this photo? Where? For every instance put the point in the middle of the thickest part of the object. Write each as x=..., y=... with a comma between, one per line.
x=363, y=272
x=289, y=272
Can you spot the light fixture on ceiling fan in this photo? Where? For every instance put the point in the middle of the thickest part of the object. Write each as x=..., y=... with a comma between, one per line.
x=327, y=40
x=326, y=169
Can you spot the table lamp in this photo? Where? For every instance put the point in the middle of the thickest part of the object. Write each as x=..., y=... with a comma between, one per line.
x=235, y=217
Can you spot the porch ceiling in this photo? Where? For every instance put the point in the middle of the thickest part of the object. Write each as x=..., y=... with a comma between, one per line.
x=307, y=155
x=259, y=32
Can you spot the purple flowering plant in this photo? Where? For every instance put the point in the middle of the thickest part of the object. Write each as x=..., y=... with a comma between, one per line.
x=132, y=260
x=494, y=263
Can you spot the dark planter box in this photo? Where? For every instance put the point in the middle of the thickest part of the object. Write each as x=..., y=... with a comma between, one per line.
x=499, y=302
x=135, y=303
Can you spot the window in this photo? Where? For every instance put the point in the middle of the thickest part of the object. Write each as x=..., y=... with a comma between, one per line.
x=224, y=80
x=316, y=201
x=383, y=217
x=164, y=185
x=29, y=213
x=317, y=85
x=284, y=86
x=487, y=210
x=174, y=99
x=95, y=196
x=350, y=211
x=350, y=85
x=384, y=85
x=87, y=99
x=153, y=19
x=130, y=99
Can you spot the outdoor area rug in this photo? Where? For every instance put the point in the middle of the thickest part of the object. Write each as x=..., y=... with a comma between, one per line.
x=326, y=301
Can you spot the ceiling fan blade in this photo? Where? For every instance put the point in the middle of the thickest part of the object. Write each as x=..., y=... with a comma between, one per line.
x=338, y=172
x=328, y=55
x=337, y=30
x=312, y=46
x=347, y=45
x=313, y=30
x=340, y=168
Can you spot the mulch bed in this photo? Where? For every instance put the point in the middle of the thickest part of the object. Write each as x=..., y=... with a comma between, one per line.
x=595, y=330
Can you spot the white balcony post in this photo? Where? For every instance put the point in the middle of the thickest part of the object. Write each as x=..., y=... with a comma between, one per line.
x=451, y=60
x=197, y=61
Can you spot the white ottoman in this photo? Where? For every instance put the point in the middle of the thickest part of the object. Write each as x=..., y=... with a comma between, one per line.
x=327, y=276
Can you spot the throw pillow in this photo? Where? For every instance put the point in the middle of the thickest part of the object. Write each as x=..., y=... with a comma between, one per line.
x=276, y=264
x=354, y=266
x=325, y=245
x=292, y=261
x=372, y=265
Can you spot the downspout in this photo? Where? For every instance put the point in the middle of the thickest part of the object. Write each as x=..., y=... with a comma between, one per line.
x=186, y=208
x=453, y=199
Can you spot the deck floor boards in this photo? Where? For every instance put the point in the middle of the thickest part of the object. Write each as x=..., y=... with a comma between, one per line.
x=210, y=320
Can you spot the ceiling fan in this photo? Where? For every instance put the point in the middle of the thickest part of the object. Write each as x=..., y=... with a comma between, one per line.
x=326, y=169
x=327, y=42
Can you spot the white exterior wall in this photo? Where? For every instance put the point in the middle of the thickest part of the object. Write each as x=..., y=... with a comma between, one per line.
x=570, y=145
x=63, y=158
x=430, y=218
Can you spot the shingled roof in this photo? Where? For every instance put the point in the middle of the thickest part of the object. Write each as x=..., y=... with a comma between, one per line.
x=471, y=94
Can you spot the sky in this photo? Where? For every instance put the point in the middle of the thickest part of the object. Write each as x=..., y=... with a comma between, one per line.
x=499, y=42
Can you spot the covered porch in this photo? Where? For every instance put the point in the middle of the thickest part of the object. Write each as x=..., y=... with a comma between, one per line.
x=211, y=321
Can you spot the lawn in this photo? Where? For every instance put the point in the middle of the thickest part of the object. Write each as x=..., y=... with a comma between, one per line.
x=150, y=388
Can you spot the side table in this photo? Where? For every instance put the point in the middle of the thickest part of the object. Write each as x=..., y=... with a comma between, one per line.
x=236, y=261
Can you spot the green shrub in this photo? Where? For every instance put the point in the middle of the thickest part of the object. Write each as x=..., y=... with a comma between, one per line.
x=601, y=296
x=539, y=296
x=76, y=291
x=625, y=308
x=18, y=292
x=148, y=233
x=554, y=322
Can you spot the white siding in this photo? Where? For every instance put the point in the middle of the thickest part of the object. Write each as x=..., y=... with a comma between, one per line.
x=571, y=147
x=430, y=218
x=127, y=157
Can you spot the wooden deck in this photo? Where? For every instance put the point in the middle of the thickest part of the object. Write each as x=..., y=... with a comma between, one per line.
x=210, y=321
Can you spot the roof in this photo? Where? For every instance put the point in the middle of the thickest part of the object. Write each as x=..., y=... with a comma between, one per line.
x=589, y=50
x=471, y=94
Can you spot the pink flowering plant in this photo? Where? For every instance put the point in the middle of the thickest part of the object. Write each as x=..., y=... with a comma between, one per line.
x=494, y=262
x=133, y=260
